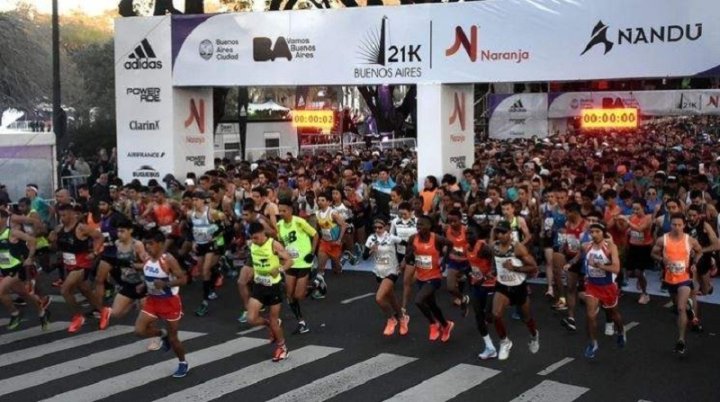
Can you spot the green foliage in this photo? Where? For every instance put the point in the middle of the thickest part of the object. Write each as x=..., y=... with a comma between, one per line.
x=88, y=138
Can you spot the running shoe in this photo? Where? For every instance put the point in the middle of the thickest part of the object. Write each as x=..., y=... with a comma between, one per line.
x=57, y=283
x=202, y=310
x=219, y=281
x=446, y=330
x=434, y=331
x=358, y=250
x=344, y=259
x=591, y=350
x=550, y=294
x=690, y=309
x=45, y=320
x=560, y=305
x=302, y=328
x=464, y=303
x=680, y=348
x=213, y=296
x=569, y=324
x=622, y=339
x=644, y=298
x=392, y=323
x=182, y=370
x=609, y=329
x=404, y=324
x=77, y=322
x=45, y=302
x=154, y=344
x=105, y=318
x=15, y=321
x=243, y=317
x=534, y=344
x=516, y=315
x=281, y=353
x=488, y=354
x=505, y=346
x=695, y=325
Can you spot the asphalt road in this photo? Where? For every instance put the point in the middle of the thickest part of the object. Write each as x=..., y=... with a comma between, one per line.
x=346, y=357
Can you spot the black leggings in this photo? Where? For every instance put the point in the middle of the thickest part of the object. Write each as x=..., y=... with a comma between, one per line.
x=425, y=300
x=480, y=303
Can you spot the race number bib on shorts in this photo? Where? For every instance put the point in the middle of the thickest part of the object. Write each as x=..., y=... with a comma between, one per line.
x=166, y=230
x=5, y=258
x=69, y=259
x=264, y=280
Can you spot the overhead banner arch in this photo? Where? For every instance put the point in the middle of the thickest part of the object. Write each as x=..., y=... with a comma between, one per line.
x=488, y=41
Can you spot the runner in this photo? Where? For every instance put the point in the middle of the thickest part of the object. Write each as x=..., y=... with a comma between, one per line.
x=674, y=250
x=639, y=246
x=332, y=229
x=569, y=258
x=265, y=256
x=602, y=264
x=110, y=220
x=381, y=245
x=513, y=263
x=699, y=229
x=244, y=281
x=79, y=246
x=14, y=263
x=404, y=226
x=457, y=264
x=300, y=241
x=483, y=283
x=209, y=244
x=163, y=278
x=423, y=251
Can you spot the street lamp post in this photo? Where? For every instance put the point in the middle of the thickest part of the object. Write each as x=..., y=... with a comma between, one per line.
x=57, y=121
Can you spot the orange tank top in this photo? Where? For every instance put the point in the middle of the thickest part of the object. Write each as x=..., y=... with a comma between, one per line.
x=428, y=198
x=639, y=238
x=459, y=243
x=481, y=267
x=677, y=257
x=91, y=222
x=427, y=259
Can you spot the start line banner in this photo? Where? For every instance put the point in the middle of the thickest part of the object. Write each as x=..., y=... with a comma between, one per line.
x=488, y=41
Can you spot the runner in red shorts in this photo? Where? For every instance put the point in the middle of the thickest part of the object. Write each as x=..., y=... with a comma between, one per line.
x=163, y=278
x=602, y=265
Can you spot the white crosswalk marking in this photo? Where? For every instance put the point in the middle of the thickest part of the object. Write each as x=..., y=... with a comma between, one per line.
x=551, y=391
x=447, y=384
x=62, y=344
x=346, y=379
x=136, y=378
x=4, y=322
x=247, y=376
x=27, y=380
x=15, y=336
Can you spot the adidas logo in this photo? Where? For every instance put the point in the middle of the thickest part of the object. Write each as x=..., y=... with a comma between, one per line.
x=143, y=58
x=517, y=107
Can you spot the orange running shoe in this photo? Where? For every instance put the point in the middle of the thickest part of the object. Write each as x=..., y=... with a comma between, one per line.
x=404, y=323
x=77, y=322
x=434, y=331
x=105, y=318
x=392, y=322
x=219, y=281
x=446, y=330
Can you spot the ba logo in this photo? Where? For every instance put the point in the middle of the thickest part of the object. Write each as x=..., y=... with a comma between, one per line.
x=197, y=114
x=263, y=49
x=461, y=39
x=458, y=113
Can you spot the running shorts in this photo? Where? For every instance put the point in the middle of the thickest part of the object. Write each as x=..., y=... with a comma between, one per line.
x=164, y=308
x=607, y=295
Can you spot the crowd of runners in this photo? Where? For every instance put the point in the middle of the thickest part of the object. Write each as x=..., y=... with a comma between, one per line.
x=586, y=211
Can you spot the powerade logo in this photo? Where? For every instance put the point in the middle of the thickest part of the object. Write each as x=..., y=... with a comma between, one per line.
x=601, y=35
x=143, y=58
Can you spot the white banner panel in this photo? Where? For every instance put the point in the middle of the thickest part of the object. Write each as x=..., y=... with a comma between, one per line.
x=450, y=43
x=519, y=116
x=650, y=103
x=143, y=92
x=194, y=146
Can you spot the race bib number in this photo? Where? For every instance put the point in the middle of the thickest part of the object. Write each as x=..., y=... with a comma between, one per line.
x=636, y=236
x=69, y=259
x=294, y=254
x=326, y=234
x=423, y=261
x=107, y=241
x=677, y=267
x=264, y=280
x=166, y=230
x=458, y=251
x=130, y=275
x=573, y=243
x=548, y=224
x=594, y=272
x=383, y=261
x=202, y=235
x=515, y=236
x=5, y=258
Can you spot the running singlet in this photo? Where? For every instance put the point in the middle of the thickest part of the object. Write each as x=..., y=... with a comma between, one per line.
x=202, y=229
x=516, y=233
x=154, y=270
x=637, y=237
x=427, y=259
x=459, y=243
x=504, y=276
x=165, y=218
x=125, y=259
x=329, y=230
x=596, y=257
x=109, y=232
x=403, y=230
x=571, y=237
x=677, y=255
x=8, y=259
x=480, y=267
x=75, y=252
x=29, y=228
x=264, y=260
x=297, y=238
x=386, y=262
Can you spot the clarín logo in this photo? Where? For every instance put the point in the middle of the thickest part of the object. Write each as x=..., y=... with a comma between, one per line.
x=472, y=48
x=143, y=58
x=197, y=115
x=602, y=35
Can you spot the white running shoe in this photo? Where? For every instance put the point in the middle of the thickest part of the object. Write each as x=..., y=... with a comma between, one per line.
x=609, y=329
x=534, y=344
x=488, y=354
x=505, y=346
x=154, y=344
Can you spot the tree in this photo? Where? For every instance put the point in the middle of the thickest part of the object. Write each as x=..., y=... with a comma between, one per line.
x=97, y=65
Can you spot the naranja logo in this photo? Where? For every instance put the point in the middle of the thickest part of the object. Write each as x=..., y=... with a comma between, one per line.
x=197, y=115
x=458, y=110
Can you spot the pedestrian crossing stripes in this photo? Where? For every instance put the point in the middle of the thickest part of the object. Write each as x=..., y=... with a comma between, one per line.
x=346, y=379
x=354, y=375
x=446, y=385
x=57, y=371
x=247, y=376
x=32, y=332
